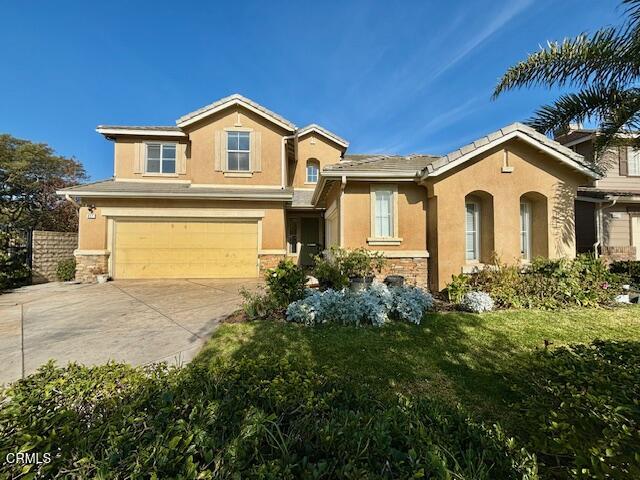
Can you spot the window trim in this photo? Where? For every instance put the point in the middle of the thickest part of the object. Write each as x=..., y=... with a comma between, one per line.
x=477, y=231
x=226, y=170
x=147, y=173
x=312, y=163
x=630, y=154
x=526, y=256
x=374, y=239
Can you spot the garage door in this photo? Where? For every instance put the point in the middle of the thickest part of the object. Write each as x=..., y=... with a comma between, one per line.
x=173, y=249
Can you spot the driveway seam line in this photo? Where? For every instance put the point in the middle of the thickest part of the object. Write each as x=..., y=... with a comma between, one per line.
x=158, y=311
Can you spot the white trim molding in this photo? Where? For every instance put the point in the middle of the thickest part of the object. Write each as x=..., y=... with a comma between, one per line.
x=169, y=212
x=275, y=251
x=384, y=241
x=141, y=132
x=87, y=253
x=405, y=253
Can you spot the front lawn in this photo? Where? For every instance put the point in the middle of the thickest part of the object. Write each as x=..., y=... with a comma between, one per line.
x=457, y=357
x=276, y=400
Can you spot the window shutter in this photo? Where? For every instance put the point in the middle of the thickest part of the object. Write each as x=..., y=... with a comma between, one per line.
x=139, y=156
x=220, y=151
x=256, y=151
x=182, y=158
x=624, y=161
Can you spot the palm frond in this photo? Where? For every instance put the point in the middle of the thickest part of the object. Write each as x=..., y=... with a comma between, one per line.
x=607, y=56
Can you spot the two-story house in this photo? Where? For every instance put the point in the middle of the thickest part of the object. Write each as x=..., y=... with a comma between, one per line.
x=233, y=187
x=607, y=208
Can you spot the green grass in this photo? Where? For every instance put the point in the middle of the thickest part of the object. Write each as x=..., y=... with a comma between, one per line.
x=456, y=357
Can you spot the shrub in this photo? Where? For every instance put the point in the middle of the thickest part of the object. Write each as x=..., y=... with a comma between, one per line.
x=476, y=302
x=66, y=270
x=579, y=408
x=285, y=283
x=458, y=286
x=14, y=270
x=334, y=267
x=410, y=303
x=546, y=284
x=372, y=306
x=252, y=418
x=259, y=305
x=630, y=270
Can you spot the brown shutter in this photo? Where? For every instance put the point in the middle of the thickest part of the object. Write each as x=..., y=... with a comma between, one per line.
x=624, y=162
x=256, y=151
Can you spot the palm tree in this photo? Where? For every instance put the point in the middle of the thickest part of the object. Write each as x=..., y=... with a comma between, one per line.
x=603, y=68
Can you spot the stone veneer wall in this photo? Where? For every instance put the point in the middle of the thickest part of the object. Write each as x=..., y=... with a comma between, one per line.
x=48, y=249
x=87, y=264
x=616, y=254
x=268, y=261
x=413, y=269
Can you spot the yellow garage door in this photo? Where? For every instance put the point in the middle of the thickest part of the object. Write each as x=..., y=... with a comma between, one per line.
x=193, y=249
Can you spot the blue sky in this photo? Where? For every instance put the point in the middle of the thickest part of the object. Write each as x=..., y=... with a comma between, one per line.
x=397, y=77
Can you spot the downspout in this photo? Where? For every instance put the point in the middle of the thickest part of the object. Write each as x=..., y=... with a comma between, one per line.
x=600, y=223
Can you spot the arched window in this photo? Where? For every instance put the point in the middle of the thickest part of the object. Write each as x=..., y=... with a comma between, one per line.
x=472, y=231
x=526, y=215
x=312, y=171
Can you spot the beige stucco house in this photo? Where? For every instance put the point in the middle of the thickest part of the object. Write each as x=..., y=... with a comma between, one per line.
x=234, y=187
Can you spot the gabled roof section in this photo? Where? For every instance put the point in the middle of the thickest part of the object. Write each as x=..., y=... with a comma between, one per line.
x=390, y=165
x=314, y=127
x=516, y=130
x=150, y=131
x=235, y=99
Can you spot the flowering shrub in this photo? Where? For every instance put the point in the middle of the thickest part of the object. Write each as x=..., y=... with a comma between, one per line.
x=373, y=306
x=410, y=303
x=286, y=282
x=476, y=302
x=335, y=266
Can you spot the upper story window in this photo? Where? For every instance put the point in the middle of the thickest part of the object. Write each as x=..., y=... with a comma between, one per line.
x=472, y=231
x=633, y=161
x=312, y=171
x=238, y=151
x=161, y=158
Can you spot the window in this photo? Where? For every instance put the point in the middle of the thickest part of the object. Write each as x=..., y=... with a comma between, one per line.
x=472, y=231
x=633, y=159
x=161, y=158
x=525, y=230
x=312, y=172
x=383, y=214
x=238, y=151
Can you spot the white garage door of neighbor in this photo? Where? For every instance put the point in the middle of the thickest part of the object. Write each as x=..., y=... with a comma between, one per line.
x=186, y=249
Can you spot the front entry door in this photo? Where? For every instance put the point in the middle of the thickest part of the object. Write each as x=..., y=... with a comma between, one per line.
x=309, y=239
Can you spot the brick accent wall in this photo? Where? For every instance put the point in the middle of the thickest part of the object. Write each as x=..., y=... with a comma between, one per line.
x=49, y=248
x=413, y=269
x=87, y=264
x=268, y=261
x=616, y=254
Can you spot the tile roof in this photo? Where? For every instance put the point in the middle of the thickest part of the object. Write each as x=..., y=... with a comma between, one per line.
x=603, y=192
x=151, y=189
x=236, y=97
x=324, y=131
x=503, y=132
x=376, y=162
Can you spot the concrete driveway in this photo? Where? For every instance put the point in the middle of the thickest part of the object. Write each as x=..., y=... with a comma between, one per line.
x=134, y=321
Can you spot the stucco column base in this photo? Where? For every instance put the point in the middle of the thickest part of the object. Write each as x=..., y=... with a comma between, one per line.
x=89, y=263
x=413, y=269
x=268, y=261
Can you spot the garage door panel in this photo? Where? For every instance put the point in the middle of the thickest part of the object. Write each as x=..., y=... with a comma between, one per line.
x=156, y=249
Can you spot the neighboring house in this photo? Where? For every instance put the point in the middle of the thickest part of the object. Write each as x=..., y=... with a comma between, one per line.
x=608, y=208
x=234, y=187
